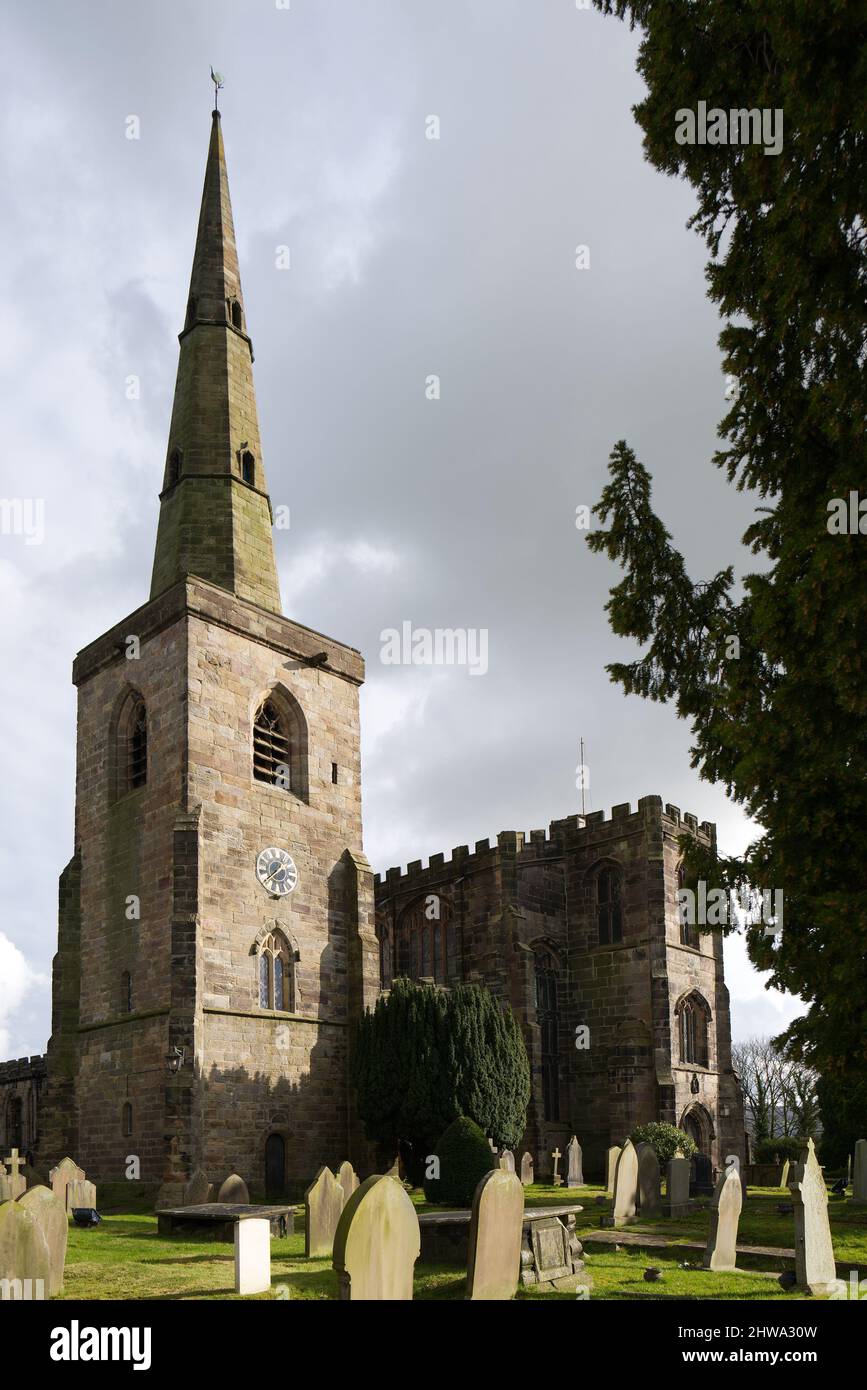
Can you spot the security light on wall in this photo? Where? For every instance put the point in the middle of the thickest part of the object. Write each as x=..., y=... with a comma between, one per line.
x=175, y=1060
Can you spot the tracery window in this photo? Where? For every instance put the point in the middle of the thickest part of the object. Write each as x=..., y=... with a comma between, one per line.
x=426, y=946
x=276, y=973
x=693, y=1017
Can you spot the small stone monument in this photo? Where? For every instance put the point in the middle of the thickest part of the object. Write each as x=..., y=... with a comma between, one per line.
x=494, y=1252
x=784, y=1175
x=323, y=1203
x=24, y=1258
x=527, y=1169
x=253, y=1255
x=701, y=1177
x=725, y=1211
x=859, y=1175
x=575, y=1170
x=50, y=1213
x=234, y=1192
x=15, y=1181
x=677, y=1186
x=649, y=1199
x=348, y=1179
x=626, y=1185
x=611, y=1168
x=558, y=1177
x=69, y=1183
x=377, y=1243
x=551, y=1254
x=507, y=1161
x=198, y=1190
x=815, y=1268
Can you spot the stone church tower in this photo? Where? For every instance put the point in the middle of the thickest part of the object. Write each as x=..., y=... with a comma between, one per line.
x=216, y=921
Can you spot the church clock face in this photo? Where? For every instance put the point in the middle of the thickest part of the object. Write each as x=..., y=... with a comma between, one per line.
x=276, y=871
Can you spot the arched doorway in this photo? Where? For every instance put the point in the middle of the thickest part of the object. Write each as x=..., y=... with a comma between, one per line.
x=275, y=1165
x=697, y=1123
x=692, y=1127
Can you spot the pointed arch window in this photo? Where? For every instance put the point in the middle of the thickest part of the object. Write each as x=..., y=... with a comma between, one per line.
x=280, y=744
x=248, y=467
x=609, y=906
x=236, y=314
x=693, y=1019
x=276, y=973
x=129, y=744
x=426, y=942
x=548, y=1019
x=688, y=930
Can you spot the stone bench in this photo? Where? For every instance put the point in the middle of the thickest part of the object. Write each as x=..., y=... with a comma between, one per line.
x=216, y=1220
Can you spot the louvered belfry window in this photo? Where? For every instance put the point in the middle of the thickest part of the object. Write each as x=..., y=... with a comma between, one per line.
x=138, y=746
x=270, y=747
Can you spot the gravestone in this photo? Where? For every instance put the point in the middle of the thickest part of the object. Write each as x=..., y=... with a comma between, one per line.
x=551, y=1254
x=611, y=1168
x=253, y=1255
x=24, y=1257
x=527, y=1169
x=234, y=1192
x=377, y=1243
x=507, y=1161
x=494, y=1252
x=50, y=1213
x=348, y=1179
x=626, y=1185
x=784, y=1175
x=15, y=1182
x=677, y=1186
x=558, y=1177
x=323, y=1203
x=649, y=1200
x=575, y=1171
x=815, y=1268
x=859, y=1175
x=725, y=1211
x=701, y=1178
x=70, y=1184
x=198, y=1190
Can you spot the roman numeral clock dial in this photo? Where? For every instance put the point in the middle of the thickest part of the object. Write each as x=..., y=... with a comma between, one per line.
x=276, y=871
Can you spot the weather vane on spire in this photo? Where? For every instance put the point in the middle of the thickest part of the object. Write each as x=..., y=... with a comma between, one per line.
x=217, y=79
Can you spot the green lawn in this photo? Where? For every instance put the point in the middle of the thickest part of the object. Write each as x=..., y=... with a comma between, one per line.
x=124, y=1257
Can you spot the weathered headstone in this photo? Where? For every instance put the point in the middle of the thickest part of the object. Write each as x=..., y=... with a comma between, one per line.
x=348, y=1179
x=70, y=1184
x=815, y=1268
x=677, y=1186
x=551, y=1253
x=234, y=1192
x=859, y=1172
x=527, y=1169
x=701, y=1177
x=198, y=1190
x=507, y=1161
x=15, y=1181
x=323, y=1203
x=24, y=1258
x=725, y=1211
x=558, y=1177
x=784, y=1175
x=253, y=1255
x=377, y=1243
x=626, y=1185
x=575, y=1171
x=611, y=1168
x=494, y=1253
x=50, y=1213
x=649, y=1200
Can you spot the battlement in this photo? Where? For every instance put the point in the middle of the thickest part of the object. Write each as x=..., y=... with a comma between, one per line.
x=540, y=846
x=24, y=1069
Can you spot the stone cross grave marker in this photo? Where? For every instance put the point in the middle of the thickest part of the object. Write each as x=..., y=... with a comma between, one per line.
x=253, y=1255
x=611, y=1168
x=377, y=1243
x=16, y=1179
x=558, y=1179
x=323, y=1203
x=50, y=1212
x=527, y=1169
x=575, y=1171
x=494, y=1250
x=725, y=1211
x=649, y=1201
x=626, y=1185
x=815, y=1268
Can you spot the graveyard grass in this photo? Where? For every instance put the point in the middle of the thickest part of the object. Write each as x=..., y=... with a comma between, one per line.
x=125, y=1258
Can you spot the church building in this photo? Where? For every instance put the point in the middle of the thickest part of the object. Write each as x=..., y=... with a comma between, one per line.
x=220, y=932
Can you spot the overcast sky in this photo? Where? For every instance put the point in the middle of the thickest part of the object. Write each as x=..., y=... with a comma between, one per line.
x=410, y=257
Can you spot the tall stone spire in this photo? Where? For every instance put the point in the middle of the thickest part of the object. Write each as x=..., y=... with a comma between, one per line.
x=215, y=513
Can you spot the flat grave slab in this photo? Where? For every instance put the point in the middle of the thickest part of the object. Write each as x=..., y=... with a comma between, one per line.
x=216, y=1220
x=445, y=1234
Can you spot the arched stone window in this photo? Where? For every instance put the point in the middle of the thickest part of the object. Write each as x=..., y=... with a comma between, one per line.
x=548, y=1019
x=609, y=905
x=126, y=1118
x=276, y=972
x=126, y=992
x=688, y=930
x=280, y=744
x=236, y=314
x=130, y=740
x=15, y=1123
x=426, y=947
x=248, y=467
x=693, y=1018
